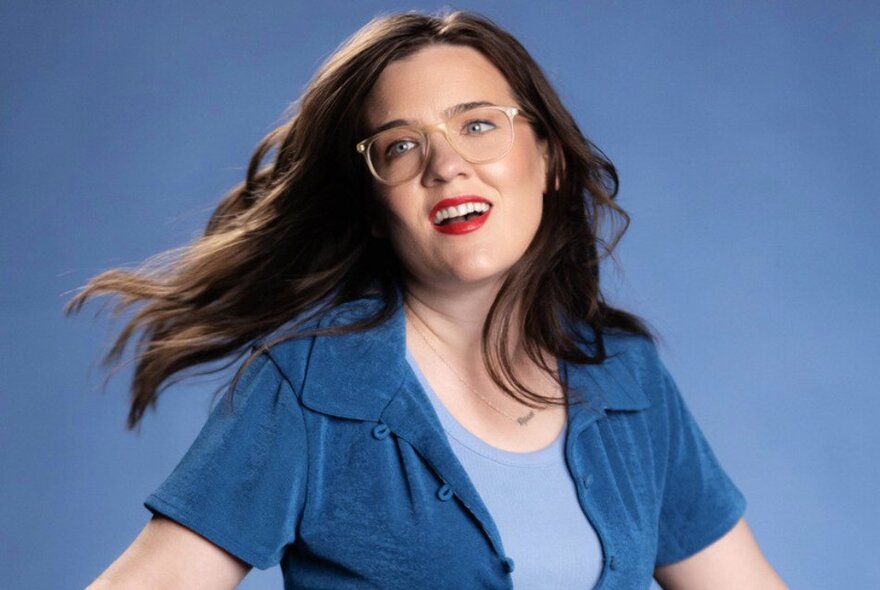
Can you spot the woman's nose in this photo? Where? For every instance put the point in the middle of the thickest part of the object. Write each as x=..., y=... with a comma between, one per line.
x=443, y=162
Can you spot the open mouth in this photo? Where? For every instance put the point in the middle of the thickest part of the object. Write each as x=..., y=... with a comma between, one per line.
x=460, y=213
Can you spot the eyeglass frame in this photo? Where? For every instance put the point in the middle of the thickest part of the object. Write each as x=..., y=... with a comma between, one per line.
x=363, y=146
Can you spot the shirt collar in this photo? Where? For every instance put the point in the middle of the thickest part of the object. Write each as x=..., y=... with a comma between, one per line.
x=356, y=375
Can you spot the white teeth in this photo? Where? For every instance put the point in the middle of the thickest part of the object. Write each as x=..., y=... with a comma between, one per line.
x=460, y=210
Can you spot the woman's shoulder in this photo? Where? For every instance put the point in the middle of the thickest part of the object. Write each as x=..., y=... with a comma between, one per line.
x=632, y=374
x=628, y=351
x=637, y=352
x=290, y=346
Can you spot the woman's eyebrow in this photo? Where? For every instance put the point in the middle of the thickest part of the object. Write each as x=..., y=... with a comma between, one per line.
x=451, y=111
x=465, y=106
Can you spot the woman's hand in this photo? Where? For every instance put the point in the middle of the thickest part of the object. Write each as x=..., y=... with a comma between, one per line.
x=732, y=562
x=168, y=555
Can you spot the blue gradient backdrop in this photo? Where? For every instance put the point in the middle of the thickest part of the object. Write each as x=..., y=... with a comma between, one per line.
x=746, y=136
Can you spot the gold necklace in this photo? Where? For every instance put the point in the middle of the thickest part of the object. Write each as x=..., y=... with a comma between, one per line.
x=521, y=420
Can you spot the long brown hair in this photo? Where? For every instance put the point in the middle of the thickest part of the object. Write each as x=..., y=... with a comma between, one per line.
x=271, y=251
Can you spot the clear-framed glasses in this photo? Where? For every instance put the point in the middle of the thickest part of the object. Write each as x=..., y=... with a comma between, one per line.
x=478, y=135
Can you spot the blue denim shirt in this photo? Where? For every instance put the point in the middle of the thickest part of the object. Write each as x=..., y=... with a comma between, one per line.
x=329, y=458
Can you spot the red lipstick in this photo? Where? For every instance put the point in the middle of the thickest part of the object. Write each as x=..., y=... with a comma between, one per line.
x=462, y=226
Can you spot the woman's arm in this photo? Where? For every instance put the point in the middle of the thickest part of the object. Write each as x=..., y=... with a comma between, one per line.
x=732, y=562
x=168, y=555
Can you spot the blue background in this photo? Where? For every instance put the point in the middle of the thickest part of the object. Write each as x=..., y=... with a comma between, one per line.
x=746, y=136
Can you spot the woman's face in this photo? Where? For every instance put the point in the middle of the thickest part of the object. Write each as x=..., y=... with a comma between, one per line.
x=454, y=256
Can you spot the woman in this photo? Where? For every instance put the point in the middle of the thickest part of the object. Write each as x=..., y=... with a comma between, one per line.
x=436, y=395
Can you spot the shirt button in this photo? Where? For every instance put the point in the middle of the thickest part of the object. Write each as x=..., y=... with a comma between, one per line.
x=612, y=563
x=380, y=431
x=507, y=564
x=587, y=480
x=444, y=493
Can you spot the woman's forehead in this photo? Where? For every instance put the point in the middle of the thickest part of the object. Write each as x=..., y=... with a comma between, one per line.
x=424, y=85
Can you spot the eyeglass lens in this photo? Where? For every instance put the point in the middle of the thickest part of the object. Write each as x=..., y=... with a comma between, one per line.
x=478, y=135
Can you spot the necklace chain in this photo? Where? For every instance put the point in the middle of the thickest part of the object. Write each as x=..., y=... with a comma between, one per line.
x=521, y=420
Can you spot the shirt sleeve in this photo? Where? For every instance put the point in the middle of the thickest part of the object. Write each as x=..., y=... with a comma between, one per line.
x=242, y=483
x=700, y=503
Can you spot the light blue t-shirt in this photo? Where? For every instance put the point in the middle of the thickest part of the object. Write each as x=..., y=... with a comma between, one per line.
x=534, y=503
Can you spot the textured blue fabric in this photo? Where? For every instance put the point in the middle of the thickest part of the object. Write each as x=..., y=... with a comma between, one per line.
x=330, y=459
x=533, y=501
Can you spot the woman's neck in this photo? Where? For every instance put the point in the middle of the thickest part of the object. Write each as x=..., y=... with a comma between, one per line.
x=455, y=320
x=452, y=330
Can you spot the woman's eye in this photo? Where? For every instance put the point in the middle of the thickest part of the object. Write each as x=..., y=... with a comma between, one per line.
x=478, y=127
x=398, y=148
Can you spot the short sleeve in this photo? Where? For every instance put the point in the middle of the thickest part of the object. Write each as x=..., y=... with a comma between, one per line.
x=700, y=503
x=242, y=483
